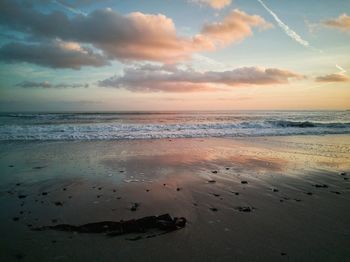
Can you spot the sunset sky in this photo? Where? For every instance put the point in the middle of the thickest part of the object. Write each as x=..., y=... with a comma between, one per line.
x=86, y=55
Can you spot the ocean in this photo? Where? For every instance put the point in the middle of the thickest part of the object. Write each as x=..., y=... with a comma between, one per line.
x=156, y=125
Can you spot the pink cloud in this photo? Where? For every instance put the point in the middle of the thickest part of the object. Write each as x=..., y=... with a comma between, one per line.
x=342, y=22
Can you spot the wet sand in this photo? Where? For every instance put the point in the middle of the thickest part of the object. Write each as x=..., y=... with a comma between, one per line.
x=245, y=199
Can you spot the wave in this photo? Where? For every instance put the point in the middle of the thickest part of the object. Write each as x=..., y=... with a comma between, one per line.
x=308, y=124
x=119, y=131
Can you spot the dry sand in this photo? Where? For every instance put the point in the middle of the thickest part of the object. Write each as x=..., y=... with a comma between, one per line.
x=294, y=205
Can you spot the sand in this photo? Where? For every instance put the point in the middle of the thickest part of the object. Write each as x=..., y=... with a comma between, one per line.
x=245, y=199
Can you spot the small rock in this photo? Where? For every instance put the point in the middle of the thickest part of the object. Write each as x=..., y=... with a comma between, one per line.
x=147, y=190
x=320, y=186
x=214, y=172
x=343, y=174
x=178, y=189
x=283, y=254
x=11, y=166
x=275, y=190
x=18, y=184
x=244, y=209
x=100, y=188
x=58, y=203
x=244, y=182
x=64, y=189
x=211, y=181
x=134, y=206
x=227, y=168
x=38, y=167
x=336, y=192
x=214, y=209
x=309, y=193
x=19, y=256
x=22, y=196
x=44, y=193
x=15, y=218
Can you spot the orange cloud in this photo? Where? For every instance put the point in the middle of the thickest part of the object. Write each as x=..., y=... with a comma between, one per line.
x=216, y=4
x=342, y=22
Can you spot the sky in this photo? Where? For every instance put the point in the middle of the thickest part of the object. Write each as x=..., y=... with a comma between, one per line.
x=127, y=55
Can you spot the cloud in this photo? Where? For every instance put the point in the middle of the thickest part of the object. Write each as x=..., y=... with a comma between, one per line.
x=153, y=78
x=136, y=36
x=54, y=54
x=342, y=22
x=333, y=78
x=236, y=26
x=46, y=84
x=216, y=4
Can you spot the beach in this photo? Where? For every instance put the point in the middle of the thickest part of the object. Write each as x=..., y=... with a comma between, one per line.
x=269, y=198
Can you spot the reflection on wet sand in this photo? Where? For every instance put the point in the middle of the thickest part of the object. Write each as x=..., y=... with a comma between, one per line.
x=247, y=199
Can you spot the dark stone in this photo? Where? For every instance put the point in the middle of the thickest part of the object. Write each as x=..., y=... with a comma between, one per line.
x=275, y=190
x=211, y=181
x=343, y=174
x=320, y=186
x=18, y=184
x=309, y=193
x=114, y=190
x=216, y=195
x=178, y=189
x=283, y=254
x=214, y=172
x=336, y=192
x=22, y=196
x=99, y=188
x=346, y=178
x=64, y=189
x=164, y=223
x=134, y=206
x=11, y=166
x=38, y=167
x=244, y=209
x=19, y=256
x=15, y=218
x=244, y=182
x=214, y=209
x=58, y=203
x=44, y=193
x=227, y=168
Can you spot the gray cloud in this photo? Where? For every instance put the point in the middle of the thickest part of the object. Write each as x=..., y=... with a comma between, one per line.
x=333, y=78
x=55, y=54
x=150, y=78
x=46, y=84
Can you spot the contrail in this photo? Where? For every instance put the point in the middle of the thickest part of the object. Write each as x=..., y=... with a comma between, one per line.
x=73, y=10
x=285, y=28
x=342, y=70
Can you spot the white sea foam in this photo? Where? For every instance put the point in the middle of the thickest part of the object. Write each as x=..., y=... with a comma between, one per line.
x=118, y=126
